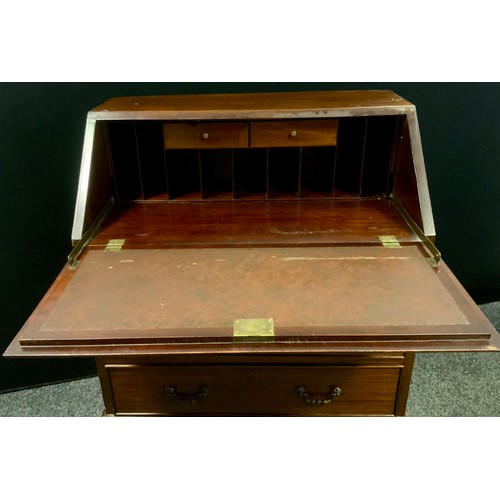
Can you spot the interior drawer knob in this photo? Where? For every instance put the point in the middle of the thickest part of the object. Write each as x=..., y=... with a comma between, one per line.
x=205, y=135
x=334, y=392
x=171, y=393
x=293, y=133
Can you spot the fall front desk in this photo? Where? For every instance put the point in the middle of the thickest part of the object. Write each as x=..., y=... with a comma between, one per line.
x=254, y=254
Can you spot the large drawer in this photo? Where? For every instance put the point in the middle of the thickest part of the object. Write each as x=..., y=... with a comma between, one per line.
x=205, y=135
x=293, y=133
x=253, y=390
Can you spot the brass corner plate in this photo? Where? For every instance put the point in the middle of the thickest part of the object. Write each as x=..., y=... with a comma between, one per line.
x=260, y=328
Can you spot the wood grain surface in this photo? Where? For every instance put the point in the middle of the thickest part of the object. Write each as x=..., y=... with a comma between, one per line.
x=253, y=389
x=251, y=106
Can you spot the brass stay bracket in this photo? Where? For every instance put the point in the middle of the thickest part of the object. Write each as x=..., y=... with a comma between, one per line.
x=89, y=234
x=434, y=253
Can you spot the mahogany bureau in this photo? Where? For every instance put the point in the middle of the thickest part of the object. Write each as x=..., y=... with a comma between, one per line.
x=254, y=254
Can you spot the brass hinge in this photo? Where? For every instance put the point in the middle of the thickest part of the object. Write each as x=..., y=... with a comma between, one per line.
x=389, y=241
x=114, y=245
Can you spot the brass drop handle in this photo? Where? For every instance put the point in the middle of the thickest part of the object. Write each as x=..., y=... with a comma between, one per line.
x=293, y=133
x=334, y=392
x=205, y=135
x=171, y=392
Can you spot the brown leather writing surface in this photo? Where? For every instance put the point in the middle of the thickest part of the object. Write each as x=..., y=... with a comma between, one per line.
x=198, y=288
x=310, y=293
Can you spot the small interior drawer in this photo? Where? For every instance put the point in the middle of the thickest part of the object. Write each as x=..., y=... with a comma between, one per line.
x=293, y=133
x=205, y=135
x=253, y=390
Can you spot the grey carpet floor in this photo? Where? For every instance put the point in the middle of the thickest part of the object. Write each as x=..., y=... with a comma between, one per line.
x=443, y=385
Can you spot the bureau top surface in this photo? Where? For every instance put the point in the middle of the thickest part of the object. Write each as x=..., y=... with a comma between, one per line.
x=258, y=105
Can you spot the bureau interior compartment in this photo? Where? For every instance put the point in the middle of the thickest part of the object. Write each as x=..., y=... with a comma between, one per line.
x=359, y=165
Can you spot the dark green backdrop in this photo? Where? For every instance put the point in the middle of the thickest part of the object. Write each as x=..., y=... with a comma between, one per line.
x=41, y=138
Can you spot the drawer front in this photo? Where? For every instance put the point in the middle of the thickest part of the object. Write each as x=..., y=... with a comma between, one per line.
x=293, y=133
x=205, y=135
x=253, y=390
